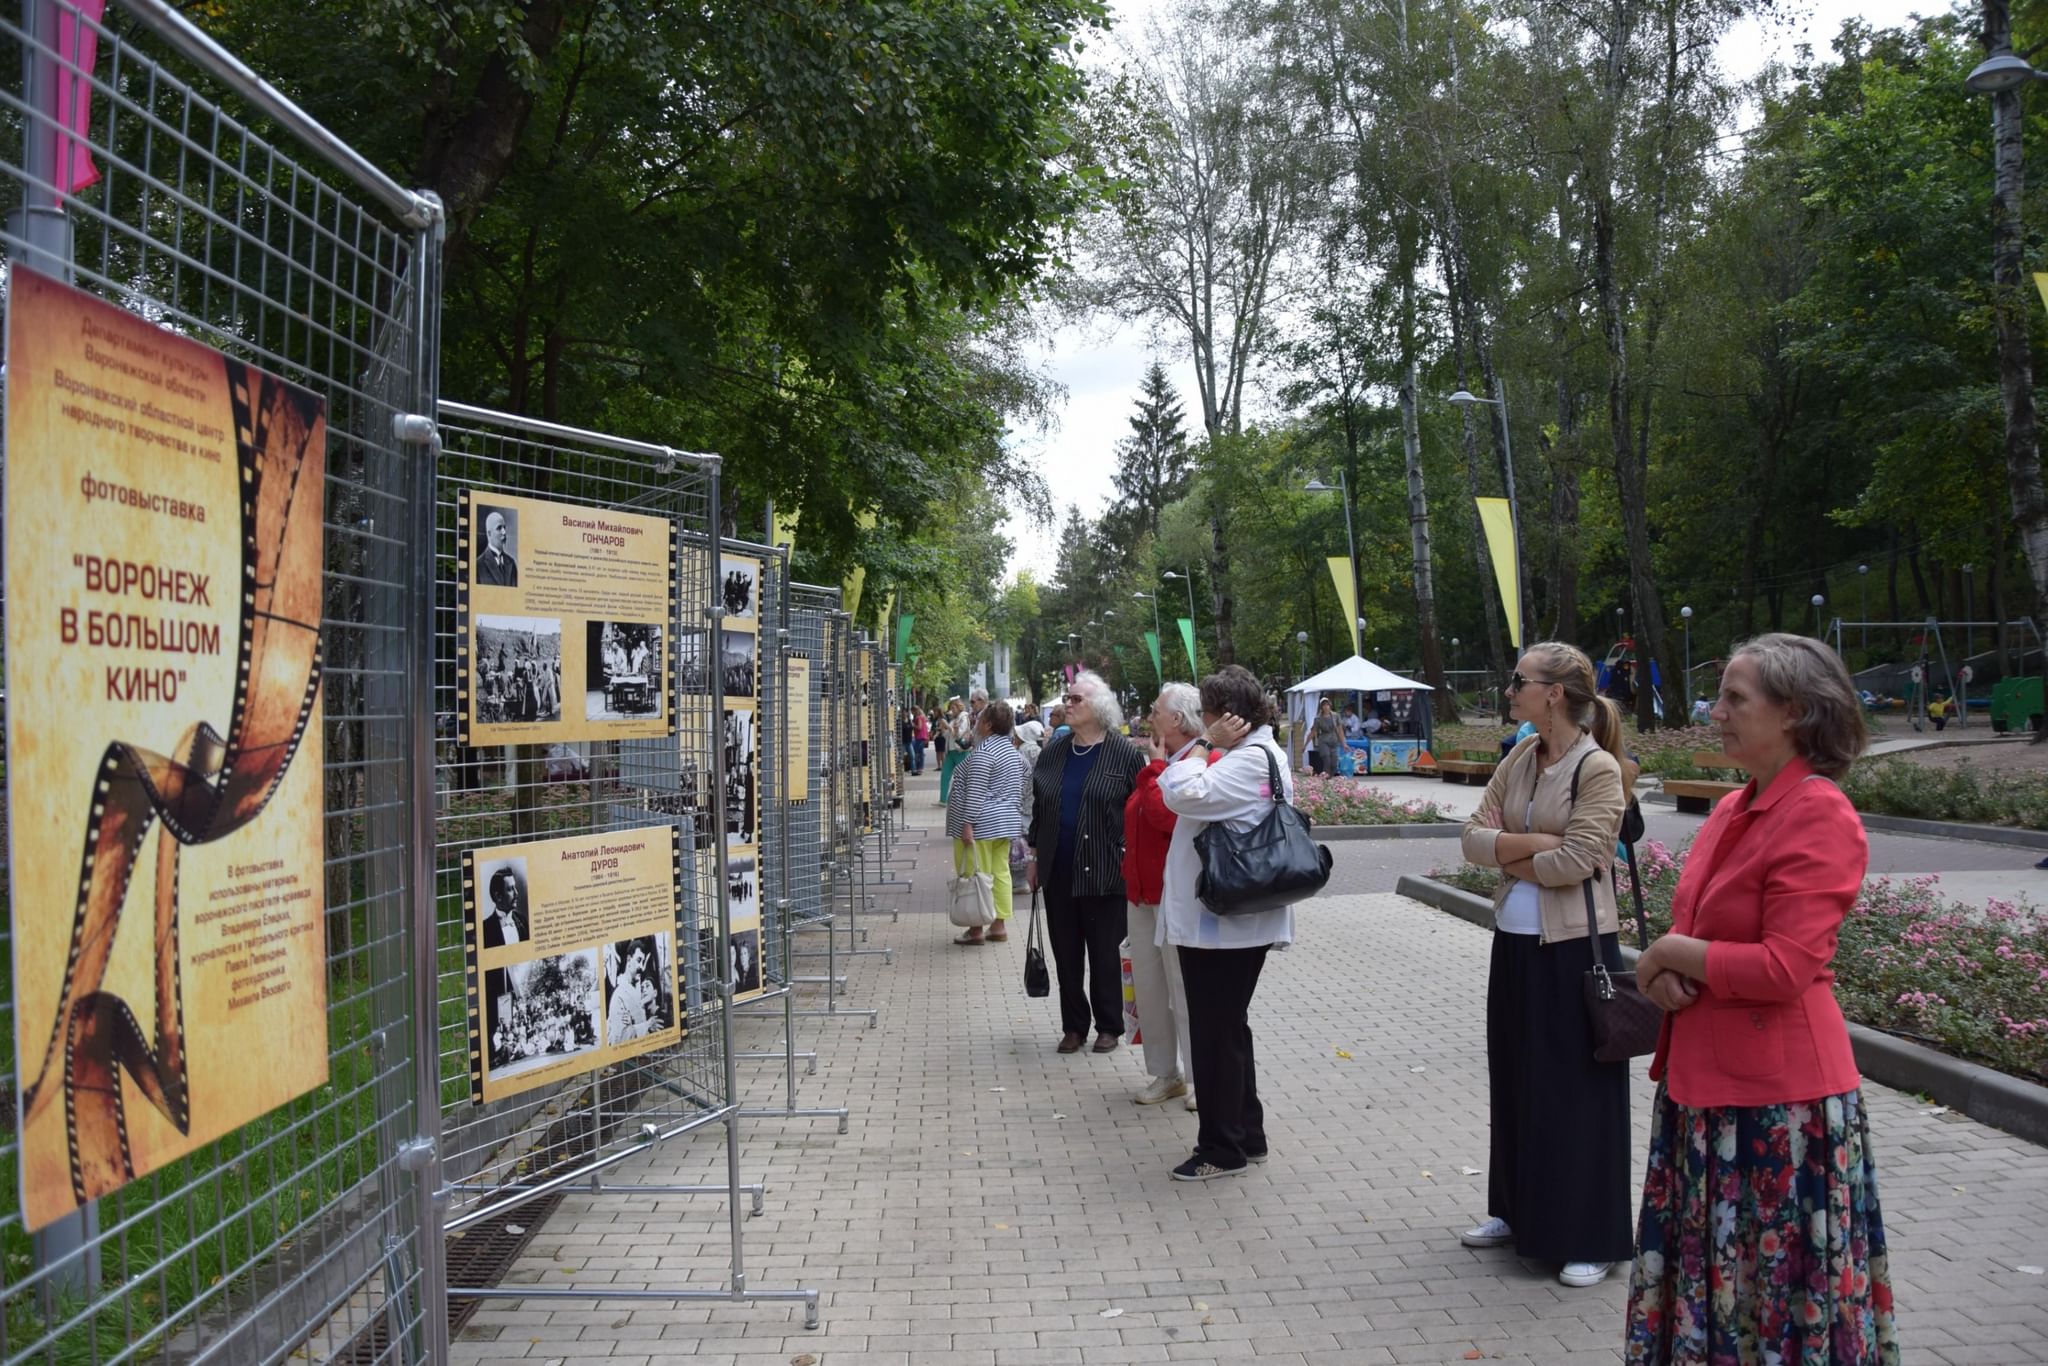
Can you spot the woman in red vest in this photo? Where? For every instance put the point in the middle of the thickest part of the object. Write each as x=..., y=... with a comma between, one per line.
x=1761, y=1237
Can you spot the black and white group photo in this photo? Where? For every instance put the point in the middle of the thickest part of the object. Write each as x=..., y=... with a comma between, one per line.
x=742, y=810
x=623, y=666
x=736, y=662
x=497, y=553
x=742, y=890
x=640, y=975
x=543, y=1011
x=743, y=974
x=518, y=669
x=739, y=590
x=693, y=668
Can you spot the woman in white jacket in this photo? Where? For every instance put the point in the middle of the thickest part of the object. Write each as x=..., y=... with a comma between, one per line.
x=1228, y=777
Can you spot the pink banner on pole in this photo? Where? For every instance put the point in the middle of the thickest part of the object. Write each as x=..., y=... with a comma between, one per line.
x=78, y=46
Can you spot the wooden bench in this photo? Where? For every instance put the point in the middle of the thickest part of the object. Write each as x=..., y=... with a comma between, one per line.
x=1698, y=795
x=1472, y=767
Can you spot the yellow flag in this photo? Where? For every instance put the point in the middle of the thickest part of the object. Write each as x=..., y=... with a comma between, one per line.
x=849, y=590
x=1347, y=596
x=882, y=617
x=784, y=531
x=1498, y=519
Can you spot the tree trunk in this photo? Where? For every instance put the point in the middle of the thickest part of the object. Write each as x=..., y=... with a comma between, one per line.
x=1418, y=498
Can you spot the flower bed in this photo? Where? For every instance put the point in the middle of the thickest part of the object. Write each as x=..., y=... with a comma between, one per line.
x=1971, y=982
x=1347, y=801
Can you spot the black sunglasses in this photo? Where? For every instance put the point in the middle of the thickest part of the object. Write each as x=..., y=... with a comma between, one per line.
x=1516, y=682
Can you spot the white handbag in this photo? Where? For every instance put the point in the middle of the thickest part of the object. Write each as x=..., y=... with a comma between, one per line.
x=973, y=901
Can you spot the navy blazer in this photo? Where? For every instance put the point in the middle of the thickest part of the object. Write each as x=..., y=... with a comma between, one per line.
x=1099, y=834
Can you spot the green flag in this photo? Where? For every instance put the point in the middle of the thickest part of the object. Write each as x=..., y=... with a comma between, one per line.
x=1187, y=638
x=1152, y=644
x=903, y=624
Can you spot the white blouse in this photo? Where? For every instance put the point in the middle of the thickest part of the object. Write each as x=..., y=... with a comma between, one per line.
x=1236, y=790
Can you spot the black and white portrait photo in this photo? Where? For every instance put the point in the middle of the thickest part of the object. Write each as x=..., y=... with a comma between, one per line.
x=502, y=905
x=744, y=972
x=518, y=669
x=622, y=665
x=741, y=753
x=739, y=590
x=640, y=995
x=543, y=1011
x=736, y=662
x=693, y=667
x=497, y=550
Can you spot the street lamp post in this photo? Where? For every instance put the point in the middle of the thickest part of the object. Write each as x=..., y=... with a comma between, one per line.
x=1863, y=576
x=1343, y=491
x=1817, y=601
x=2001, y=75
x=1969, y=611
x=1187, y=577
x=1685, y=615
x=1507, y=450
x=1300, y=655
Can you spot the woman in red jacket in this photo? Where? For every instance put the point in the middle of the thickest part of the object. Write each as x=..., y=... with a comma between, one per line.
x=1761, y=1237
x=1176, y=724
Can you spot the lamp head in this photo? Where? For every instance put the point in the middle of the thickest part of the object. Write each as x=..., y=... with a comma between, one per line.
x=1318, y=486
x=1301, y=637
x=1170, y=574
x=1998, y=73
x=1818, y=599
x=1463, y=397
x=1685, y=612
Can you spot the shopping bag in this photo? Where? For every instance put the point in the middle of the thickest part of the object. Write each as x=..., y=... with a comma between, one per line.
x=973, y=901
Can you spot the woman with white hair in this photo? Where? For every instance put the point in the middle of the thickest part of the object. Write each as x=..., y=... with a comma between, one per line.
x=1079, y=788
x=1174, y=731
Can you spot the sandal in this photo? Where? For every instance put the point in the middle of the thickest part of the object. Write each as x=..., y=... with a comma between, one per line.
x=971, y=937
x=994, y=938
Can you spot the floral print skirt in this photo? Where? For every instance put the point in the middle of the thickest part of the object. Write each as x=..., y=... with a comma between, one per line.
x=1761, y=1242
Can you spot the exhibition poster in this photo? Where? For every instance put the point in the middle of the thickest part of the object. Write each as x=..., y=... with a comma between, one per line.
x=564, y=612
x=797, y=733
x=164, y=562
x=571, y=947
x=740, y=664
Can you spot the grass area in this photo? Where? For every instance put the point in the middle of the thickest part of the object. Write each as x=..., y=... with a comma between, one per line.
x=1972, y=983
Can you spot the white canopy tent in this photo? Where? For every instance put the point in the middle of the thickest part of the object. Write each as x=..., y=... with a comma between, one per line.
x=1340, y=680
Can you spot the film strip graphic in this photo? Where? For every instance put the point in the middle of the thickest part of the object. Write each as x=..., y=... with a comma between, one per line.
x=207, y=789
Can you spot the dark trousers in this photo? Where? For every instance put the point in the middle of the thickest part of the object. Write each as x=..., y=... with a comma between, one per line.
x=1090, y=928
x=1220, y=983
x=1559, y=1171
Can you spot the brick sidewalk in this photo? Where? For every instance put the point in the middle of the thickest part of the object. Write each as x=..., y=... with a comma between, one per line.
x=995, y=1200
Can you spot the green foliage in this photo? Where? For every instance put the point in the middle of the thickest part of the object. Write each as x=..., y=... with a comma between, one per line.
x=1898, y=787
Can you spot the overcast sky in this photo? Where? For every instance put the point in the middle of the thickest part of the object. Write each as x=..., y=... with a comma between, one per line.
x=1100, y=364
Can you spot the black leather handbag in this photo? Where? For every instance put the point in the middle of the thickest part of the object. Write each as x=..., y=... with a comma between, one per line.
x=1625, y=1023
x=1037, y=981
x=1273, y=864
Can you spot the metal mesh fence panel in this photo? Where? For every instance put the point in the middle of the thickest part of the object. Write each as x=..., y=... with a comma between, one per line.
x=810, y=610
x=259, y=234
x=775, y=783
x=498, y=1153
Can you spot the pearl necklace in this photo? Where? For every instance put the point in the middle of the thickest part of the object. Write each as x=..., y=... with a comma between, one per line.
x=1076, y=748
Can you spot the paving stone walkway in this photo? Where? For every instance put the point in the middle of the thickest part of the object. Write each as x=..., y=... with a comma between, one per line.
x=997, y=1204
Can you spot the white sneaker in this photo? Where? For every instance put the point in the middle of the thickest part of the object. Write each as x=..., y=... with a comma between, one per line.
x=1191, y=1097
x=1492, y=1233
x=1161, y=1089
x=1583, y=1274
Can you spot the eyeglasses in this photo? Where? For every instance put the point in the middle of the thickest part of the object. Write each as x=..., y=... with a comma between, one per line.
x=1516, y=682
x=1073, y=697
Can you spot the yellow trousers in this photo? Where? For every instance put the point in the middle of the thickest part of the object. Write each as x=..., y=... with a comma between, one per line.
x=991, y=857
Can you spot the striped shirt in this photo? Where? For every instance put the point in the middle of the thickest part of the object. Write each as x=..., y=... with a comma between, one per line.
x=1099, y=829
x=988, y=792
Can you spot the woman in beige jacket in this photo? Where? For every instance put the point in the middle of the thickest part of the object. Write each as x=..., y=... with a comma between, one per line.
x=1558, y=1178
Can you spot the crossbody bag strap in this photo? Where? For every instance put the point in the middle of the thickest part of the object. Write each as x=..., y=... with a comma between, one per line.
x=1592, y=909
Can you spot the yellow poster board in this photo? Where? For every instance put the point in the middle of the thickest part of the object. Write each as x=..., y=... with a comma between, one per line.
x=564, y=613
x=571, y=947
x=164, y=557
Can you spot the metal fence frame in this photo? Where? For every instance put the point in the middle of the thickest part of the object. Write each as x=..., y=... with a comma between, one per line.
x=285, y=248
x=604, y=1117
